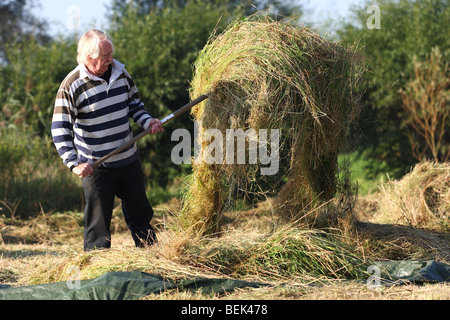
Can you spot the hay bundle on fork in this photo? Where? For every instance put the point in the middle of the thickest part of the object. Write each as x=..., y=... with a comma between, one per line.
x=271, y=75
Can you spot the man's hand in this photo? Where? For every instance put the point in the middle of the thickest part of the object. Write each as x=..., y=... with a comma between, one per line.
x=83, y=170
x=155, y=125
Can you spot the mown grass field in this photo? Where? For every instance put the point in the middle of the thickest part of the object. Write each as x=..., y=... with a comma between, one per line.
x=298, y=263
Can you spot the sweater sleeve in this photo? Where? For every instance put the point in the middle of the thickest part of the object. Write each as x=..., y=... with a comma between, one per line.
x=135, y=105
x=62, y=128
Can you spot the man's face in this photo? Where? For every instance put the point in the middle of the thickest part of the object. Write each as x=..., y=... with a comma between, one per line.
x=100, y=65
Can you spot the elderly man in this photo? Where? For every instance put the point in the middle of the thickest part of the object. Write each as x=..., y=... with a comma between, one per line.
x=91, y=119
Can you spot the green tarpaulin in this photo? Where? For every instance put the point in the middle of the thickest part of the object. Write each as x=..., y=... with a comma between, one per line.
x=119, y=286
x=397, y=272
x=134, y=285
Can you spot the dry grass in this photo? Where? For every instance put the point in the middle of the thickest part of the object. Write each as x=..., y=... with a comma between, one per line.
x=419, y=199
x=340, y=290
x=263, y=74
x=281, y=255
x=298, y=263
x=23, y=264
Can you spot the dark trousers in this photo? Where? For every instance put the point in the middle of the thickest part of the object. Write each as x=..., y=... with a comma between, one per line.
x=100, y=189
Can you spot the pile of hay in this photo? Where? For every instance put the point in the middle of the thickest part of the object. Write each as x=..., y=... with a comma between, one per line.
x=273, y=75
x=420, y=199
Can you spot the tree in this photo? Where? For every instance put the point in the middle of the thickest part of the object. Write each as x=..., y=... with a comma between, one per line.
x=408, y=29
x=426, y=102
x=30, y=81
x=247, y=7
x=17, y=22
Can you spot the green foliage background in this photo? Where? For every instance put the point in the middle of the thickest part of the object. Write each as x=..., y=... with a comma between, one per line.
x=158, y=42
x=408, y=29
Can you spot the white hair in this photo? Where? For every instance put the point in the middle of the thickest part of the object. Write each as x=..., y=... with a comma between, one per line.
x=89, y=45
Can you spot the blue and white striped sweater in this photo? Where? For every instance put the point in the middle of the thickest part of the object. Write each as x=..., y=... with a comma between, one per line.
x=91, y=117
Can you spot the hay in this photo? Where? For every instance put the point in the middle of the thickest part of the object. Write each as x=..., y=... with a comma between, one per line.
x=420, y=199
x=264, y=74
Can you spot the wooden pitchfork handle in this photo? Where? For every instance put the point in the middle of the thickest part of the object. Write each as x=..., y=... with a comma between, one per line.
x=149, y=130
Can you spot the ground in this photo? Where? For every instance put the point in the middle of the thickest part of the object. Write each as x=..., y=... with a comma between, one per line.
x=41, y=250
